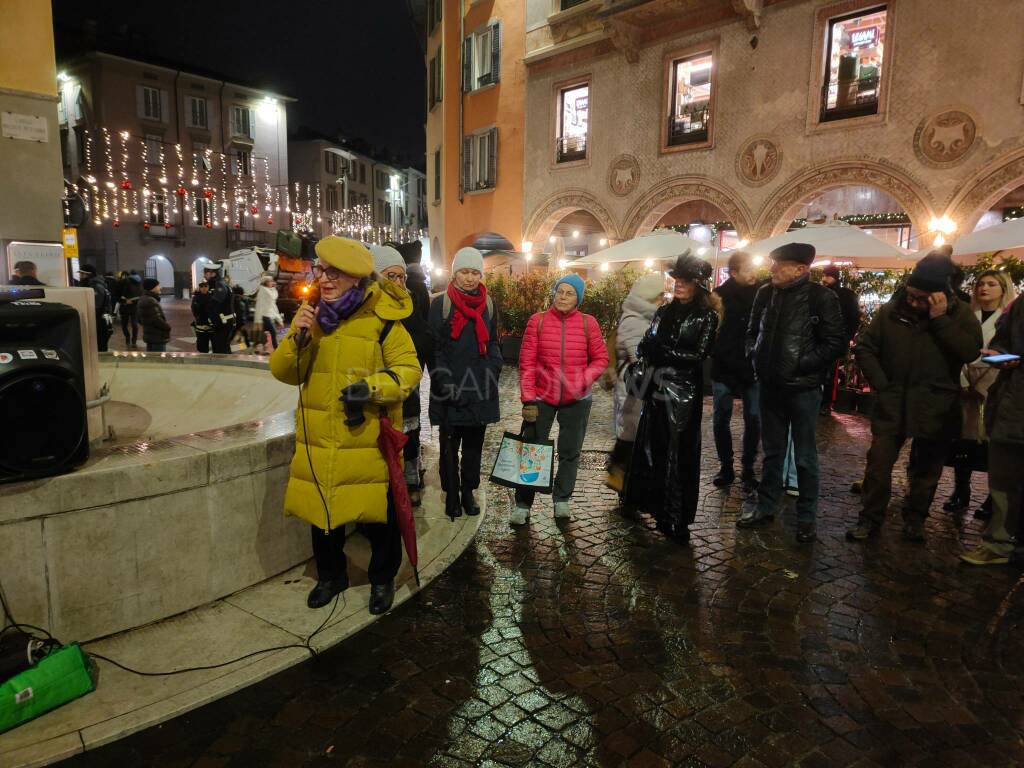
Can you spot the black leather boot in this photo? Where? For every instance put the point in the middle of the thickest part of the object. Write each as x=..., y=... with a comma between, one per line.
x=469, y=505
x=959, y=499
x=452, y=504
x=381, y=597
x=324, y=592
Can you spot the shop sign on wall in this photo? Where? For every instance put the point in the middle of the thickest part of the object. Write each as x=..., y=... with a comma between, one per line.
x=865, y=38
x=25, y=127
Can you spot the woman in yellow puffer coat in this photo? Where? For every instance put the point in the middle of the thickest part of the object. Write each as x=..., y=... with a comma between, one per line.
x=354, y=360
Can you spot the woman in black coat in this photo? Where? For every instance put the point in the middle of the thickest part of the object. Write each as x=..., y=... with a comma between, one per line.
x=664, y=475
x=464, y=369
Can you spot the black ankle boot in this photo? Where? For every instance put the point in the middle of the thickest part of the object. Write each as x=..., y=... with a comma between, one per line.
x=452, y=504
x=984, y=512
x=381, y=597
x=960, y=499
x=324, y=592
x=469, y=505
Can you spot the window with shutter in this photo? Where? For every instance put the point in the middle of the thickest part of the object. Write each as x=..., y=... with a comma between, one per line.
x=439, y=76
x=467, y=64
x=241, y=122
x=157, y=211
x=153, y=146
x=437, y=174
x=492, y=157
x=481, y=53
x=496, y=53
x=196, y=113
x=150, y=103
x=467, y=163
x=201, y=213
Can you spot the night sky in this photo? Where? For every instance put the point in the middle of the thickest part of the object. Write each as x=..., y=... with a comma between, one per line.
x=355, y=66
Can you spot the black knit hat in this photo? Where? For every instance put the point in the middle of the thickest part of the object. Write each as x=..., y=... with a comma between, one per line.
x=689, y=267
x=932, y=273
x=89, y=269
x=801, y=253
x=150, y=283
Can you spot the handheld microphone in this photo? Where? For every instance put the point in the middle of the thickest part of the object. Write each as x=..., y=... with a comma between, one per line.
x=312, y=301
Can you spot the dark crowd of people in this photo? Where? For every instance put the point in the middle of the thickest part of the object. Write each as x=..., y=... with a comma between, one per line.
x=943, y=367
x=774, y=347
x=927, y=354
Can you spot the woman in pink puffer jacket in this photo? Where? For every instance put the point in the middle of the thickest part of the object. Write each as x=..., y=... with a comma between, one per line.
x=562, y=355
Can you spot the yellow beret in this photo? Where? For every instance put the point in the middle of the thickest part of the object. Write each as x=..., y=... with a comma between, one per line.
x=349, y=256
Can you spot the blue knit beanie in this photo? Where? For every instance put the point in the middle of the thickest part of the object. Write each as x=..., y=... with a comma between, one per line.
x=576, y=282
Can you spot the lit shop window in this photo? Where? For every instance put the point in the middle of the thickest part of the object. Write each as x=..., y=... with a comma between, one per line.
x=853, y=65
x=573, y=123
x=690, y=106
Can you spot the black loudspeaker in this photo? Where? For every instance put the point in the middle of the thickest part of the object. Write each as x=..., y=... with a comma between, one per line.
x=42, y=390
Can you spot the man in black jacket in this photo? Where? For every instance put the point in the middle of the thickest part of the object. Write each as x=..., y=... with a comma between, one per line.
x=732, y=375
x=795, y=333
x=88, y=278
x=156, y=331
x=850, y=306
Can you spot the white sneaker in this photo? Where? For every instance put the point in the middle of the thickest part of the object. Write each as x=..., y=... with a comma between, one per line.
x=562, y=511
x=519, y=516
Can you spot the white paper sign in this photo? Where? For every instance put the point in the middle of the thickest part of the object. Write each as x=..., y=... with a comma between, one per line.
x=27, y=127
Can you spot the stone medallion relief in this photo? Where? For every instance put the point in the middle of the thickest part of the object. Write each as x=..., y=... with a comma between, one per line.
x=946, y=138
x=624, y=175
x=758, y=161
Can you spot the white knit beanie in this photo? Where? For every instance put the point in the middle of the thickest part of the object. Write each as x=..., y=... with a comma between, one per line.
x=385, y=256
x=468, y=258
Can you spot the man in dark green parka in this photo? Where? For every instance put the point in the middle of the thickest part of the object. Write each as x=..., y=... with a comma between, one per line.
x=911, y=354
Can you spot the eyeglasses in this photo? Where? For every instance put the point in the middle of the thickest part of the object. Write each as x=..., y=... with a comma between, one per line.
x=331, y=273
x=570, y=294
x=395, y=277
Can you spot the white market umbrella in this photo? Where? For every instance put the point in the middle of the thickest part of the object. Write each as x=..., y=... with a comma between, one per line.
x=1001, y=237
x=659, y=245
x=838, y=240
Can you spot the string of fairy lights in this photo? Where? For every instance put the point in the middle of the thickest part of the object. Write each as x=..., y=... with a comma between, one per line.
x=133, y=174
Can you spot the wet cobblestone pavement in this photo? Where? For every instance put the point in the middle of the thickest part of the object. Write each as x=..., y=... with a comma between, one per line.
x=596, y=642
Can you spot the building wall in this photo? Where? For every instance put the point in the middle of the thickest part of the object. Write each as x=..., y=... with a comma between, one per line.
x=108, y=90
x=455, y=223
x=767, y=92
x=30, y=195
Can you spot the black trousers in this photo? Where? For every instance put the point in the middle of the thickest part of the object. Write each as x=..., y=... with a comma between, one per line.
x=461, y=473
x=203, y=341
x=129, y=317
x=385, y=550
x=220, y=339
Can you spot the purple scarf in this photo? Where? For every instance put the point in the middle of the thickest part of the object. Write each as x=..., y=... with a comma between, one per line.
x=333, y=312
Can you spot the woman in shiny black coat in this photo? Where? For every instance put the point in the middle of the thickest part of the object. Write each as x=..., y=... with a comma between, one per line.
x=664, y=475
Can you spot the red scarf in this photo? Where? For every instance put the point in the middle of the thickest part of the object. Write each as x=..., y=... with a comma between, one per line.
x=470, y=307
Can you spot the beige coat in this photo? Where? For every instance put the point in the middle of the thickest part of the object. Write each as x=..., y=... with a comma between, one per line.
x=975, y=379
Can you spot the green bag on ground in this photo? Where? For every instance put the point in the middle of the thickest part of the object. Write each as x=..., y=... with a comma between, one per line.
x=61, y=677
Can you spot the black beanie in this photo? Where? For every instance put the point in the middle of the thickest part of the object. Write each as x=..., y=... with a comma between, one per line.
x=150, y=283
x=932, y=273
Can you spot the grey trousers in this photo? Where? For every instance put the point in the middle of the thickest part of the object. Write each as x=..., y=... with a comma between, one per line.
x=572, y=427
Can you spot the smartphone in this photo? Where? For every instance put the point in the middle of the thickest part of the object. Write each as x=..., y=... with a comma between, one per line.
x=998, y=359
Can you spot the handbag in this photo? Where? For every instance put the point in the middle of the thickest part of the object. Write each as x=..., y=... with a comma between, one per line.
x=638, y=378
x=524, y=464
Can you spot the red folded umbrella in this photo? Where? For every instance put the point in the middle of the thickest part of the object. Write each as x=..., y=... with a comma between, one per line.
x=391, y=442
